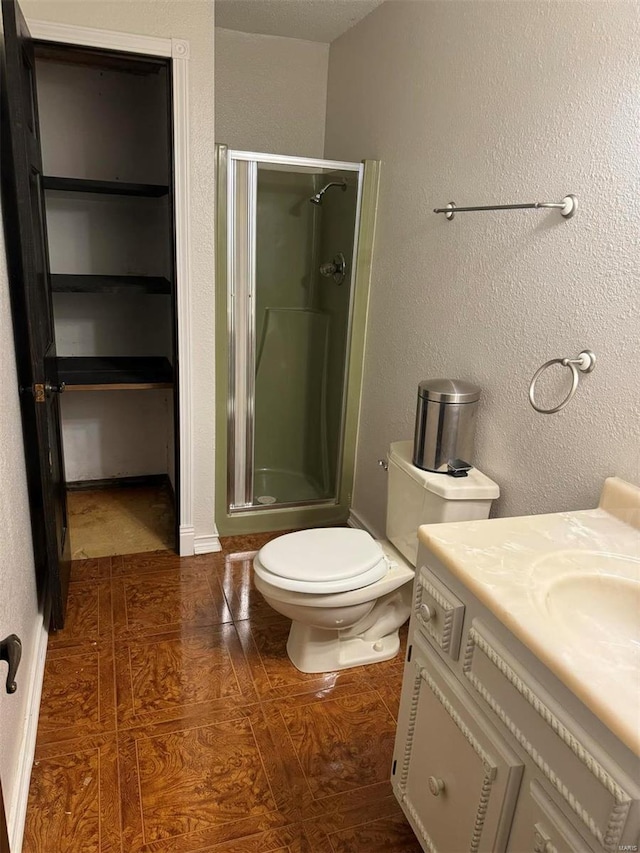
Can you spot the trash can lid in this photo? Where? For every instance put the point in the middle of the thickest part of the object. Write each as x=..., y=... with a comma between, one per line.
x=448, y=391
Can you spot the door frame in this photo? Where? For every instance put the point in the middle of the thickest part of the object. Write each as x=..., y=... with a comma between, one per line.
x=177, y=50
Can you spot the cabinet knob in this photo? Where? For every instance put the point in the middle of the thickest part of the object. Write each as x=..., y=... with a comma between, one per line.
x=426, y=613
x=436, y=786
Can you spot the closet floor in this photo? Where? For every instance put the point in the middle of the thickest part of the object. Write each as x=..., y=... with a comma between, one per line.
x=110, y=522
x=172, y=721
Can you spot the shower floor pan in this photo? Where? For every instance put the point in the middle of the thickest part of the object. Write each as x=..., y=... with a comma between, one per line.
x=272, y=487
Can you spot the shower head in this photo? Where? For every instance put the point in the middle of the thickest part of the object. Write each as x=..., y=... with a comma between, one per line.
x=317, y=198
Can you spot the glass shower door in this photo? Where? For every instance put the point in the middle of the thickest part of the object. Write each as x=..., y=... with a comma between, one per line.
x=291, y=263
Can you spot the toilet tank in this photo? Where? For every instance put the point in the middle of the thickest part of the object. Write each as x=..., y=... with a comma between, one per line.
x=416, y=497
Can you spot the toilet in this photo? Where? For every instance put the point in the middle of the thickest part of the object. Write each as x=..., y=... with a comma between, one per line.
x=347, y=593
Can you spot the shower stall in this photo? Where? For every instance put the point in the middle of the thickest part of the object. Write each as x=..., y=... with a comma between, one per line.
x=294, y=247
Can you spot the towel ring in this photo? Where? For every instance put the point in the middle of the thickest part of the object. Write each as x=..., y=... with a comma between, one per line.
x=584, y=363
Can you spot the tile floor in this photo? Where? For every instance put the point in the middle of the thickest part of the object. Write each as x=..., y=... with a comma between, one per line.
x=113, y=521
x=173, y=722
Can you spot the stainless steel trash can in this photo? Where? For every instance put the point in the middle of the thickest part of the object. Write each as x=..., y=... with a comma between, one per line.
x=445, y=423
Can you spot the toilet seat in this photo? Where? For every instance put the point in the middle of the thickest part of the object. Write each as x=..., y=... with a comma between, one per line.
x=322, y=560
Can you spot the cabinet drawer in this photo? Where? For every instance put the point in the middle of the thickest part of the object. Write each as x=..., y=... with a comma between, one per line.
x=603, y=798
x=454, y=777
x=438, y=612
x=540, y=826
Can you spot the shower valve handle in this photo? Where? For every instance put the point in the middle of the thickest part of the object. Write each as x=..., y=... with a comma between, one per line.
x=336, y=269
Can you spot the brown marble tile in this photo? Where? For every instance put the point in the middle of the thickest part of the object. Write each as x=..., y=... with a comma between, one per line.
x=342, y=743
x=156, y=561
x=73, y=799
x=389, y=690
x=166, y=600
x=88, y=618
x=218, y=764
x=189, y=785
x=386, y=835
x=376, y=827
x=248, y=542
x=94, y=569
x=77, y=694
x=273, y=841
x=222, y=745
x=181, y=673
x=244, y=600
x=273, y=673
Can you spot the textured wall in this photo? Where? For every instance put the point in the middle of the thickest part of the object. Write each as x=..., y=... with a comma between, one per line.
x=18, y=602
x=271, y=93
x=192, y=20
x=500, y=102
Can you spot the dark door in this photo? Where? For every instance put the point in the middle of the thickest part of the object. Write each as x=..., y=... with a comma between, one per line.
x=28, y=262
x=4, y=838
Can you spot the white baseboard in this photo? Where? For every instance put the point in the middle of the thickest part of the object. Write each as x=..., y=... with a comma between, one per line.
x=186, y=543
x=207, y=544
x=18, y=810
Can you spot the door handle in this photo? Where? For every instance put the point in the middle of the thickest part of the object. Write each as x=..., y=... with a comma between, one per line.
x=52, y=388
x=11, y=651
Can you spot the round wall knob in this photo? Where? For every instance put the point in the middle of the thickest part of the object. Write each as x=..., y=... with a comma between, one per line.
x=426, y=613
x=436, y=786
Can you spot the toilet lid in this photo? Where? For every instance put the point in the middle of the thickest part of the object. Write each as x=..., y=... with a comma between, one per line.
x=322, y=555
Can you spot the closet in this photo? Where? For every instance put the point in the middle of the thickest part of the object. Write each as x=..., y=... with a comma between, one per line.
x=105, y=125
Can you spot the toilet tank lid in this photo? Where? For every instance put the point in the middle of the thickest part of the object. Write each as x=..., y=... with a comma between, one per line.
x=321, y=554
x=475, y=486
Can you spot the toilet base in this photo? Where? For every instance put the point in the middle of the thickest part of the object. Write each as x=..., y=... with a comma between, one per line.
x=319, y=650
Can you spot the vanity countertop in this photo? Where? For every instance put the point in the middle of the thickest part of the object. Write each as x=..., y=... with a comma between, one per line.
x=567, y=585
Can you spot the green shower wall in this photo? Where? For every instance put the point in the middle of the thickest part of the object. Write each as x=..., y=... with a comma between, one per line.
x=301, y=325
x=337, y=230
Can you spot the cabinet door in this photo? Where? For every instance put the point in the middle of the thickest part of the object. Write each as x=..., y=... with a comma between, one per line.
x=455, y=779
x=541, y=827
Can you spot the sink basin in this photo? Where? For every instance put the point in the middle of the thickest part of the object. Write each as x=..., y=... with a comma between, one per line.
x=592, y=594
x=567, y=585
x=603, y=605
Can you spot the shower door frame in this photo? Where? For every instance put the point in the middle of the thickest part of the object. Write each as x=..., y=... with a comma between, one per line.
x=235, y=366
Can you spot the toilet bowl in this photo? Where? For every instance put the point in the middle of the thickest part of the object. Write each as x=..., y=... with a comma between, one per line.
x=347, y=593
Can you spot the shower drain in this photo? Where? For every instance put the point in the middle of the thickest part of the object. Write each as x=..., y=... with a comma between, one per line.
x=266, y=499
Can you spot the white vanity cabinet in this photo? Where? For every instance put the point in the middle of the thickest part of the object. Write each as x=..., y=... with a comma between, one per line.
x=493, y=752
x=453, y=774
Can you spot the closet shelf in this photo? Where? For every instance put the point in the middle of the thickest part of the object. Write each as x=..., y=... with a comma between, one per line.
x=68, y=283
x=84, y=185
x=114, y=373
